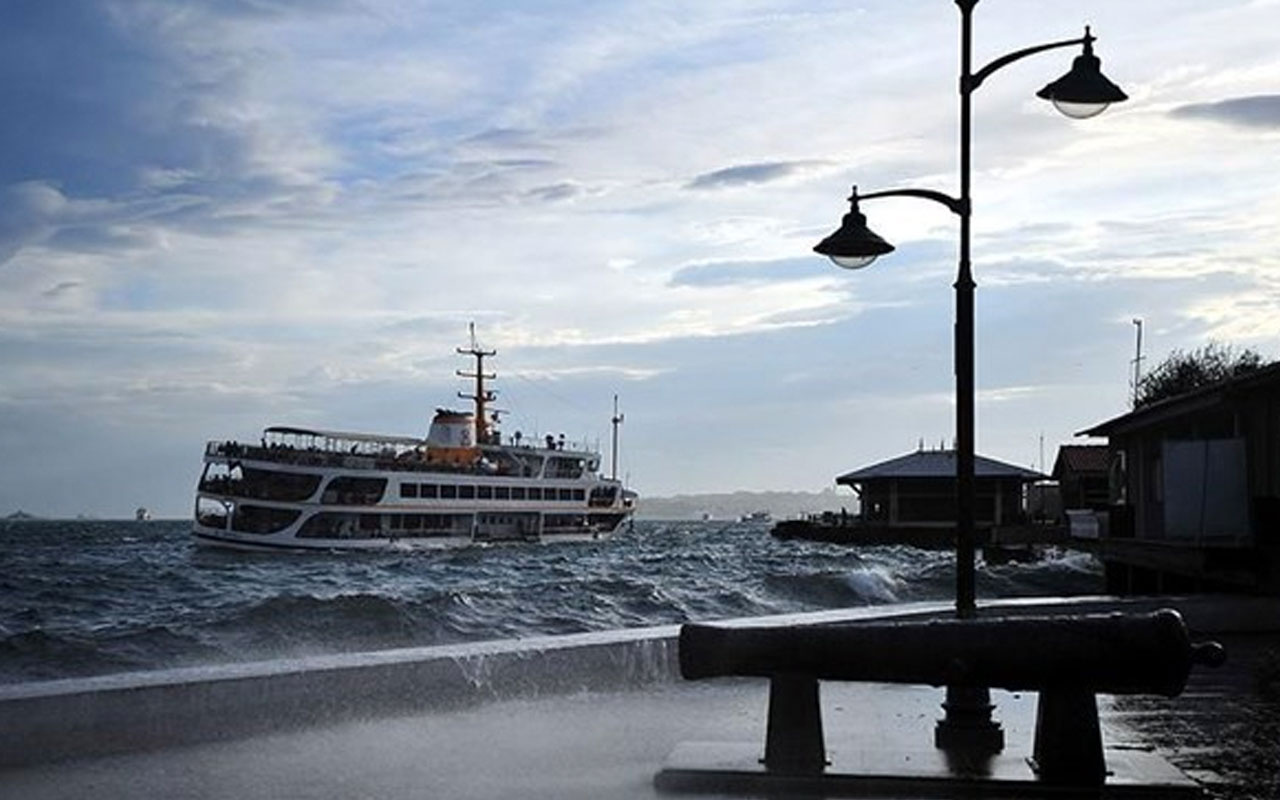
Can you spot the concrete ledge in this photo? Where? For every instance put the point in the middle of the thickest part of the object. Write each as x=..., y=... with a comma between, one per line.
x=57, y=720
x=69, y=719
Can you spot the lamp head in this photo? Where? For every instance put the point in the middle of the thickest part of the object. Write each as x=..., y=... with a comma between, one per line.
x=853, y=245
x=1084, y=91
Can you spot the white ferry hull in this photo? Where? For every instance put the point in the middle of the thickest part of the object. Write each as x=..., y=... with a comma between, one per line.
x=224, y=540
x=259, y=499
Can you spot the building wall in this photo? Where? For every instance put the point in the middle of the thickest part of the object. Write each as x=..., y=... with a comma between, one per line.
x=1251, y=418
x=932, y=501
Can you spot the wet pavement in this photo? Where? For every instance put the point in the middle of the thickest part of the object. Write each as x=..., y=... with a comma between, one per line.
x=584, y=745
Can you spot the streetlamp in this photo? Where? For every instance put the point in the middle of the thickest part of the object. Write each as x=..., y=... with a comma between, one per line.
x=1081, y=93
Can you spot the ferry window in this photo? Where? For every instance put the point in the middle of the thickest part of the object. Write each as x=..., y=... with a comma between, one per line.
x=412, y=522
x=535, y=492
x=408, y=490
x=566, y=494
x=259, y=519
x=397, y=522
x=466, y=492
x=349, y=490
x=484, y=492
x=517, y=492
x=265, y=484
x=326, y=525
x=427, y=490
x=448, y=492
x=502, y=493
x=579, y=494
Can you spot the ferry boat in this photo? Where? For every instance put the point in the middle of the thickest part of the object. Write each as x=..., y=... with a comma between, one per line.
x=305, y=489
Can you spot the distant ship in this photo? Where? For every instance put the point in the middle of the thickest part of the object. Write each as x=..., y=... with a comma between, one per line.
x=756, y=516
x=306, y=489
x=143, y=514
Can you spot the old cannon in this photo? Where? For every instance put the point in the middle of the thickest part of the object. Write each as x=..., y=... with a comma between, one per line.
x=1067, y=659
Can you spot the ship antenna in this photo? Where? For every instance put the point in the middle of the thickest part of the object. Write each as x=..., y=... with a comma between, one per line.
x=482, y=395
x=617, y=420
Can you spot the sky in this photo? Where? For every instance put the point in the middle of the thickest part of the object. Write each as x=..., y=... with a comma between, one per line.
x=219, y=215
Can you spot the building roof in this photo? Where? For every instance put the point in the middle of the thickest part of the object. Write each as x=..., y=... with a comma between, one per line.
x=936, y=464
x=1195, y=400
x=1081, y=458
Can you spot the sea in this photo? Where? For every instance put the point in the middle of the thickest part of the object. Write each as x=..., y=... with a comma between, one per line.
x=87, y=597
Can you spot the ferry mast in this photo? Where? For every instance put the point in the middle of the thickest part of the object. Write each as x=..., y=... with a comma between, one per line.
x=616, y=420
x=482, y=396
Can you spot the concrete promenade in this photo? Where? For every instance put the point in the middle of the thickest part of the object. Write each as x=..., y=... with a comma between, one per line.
x=587, y=716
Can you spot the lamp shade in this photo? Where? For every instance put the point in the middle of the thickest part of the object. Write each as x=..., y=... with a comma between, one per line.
x=1084, y=91
x=853, y=245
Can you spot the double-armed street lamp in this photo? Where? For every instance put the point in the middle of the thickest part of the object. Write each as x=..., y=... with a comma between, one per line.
x=1081, y=93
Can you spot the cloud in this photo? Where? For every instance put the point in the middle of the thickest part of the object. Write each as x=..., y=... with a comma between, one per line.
x=750, y=174
x=39, y=214
x=728, y=273
x=565, y=190
x=508, y=139
x=1256, y=111
x=27, y=210
x=62, y=288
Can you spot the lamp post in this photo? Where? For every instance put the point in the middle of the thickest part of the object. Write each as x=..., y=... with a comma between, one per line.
x=1081, y=93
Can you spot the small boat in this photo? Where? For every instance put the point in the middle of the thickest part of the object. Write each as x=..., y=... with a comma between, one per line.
x=464, y=484
x=142, y=514
x=756, y=516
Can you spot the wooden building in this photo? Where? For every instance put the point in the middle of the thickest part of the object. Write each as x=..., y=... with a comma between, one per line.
x=1196, y=490
x=1082, y=473
x=919, y=490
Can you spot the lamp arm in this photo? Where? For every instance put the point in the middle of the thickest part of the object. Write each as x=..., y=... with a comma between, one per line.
x=955, y=205
x=975, y=80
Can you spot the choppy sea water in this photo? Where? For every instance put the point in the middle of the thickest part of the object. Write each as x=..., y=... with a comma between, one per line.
x=96, y=597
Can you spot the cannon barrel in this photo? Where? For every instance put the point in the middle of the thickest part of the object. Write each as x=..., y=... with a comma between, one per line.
x=1110, y=653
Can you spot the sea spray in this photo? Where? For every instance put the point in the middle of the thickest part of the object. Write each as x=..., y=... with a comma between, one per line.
x=875, y=584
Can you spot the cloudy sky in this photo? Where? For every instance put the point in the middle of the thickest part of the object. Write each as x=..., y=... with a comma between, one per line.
x=217, y=215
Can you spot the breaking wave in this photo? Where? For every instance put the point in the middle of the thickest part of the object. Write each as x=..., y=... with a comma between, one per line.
x=86, y=598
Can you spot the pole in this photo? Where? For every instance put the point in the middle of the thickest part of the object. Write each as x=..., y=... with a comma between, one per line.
x=964, y=286
x=1137, y=362
x=967, y=726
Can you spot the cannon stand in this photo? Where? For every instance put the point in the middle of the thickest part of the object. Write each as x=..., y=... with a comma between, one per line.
x=793, y=742
x=1067, y=759
x=1068, y=744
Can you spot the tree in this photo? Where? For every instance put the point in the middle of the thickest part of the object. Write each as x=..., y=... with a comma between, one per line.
x=1183, y=372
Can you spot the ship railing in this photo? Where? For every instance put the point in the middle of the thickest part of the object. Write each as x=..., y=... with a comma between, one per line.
x=315, y=457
